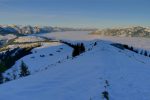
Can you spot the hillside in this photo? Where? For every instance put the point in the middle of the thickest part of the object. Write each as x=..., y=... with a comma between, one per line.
x=136, y=31
x=102, y=71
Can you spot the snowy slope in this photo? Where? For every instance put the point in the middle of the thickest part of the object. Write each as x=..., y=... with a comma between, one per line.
x=41, y=58
x=122, y=73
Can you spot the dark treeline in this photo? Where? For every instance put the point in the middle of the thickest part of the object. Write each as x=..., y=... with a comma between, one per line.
x=130, y=48
x=77, y=48
x=124, y=46
x=8, y=58
x=24, y=71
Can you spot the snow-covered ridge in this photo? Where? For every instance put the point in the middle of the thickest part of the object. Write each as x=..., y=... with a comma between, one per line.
x=103, y=69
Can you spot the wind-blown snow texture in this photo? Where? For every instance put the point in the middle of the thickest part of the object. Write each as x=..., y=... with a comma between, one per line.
x=122, y=73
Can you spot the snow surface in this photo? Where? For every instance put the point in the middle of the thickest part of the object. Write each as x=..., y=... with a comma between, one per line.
x=137, y=42
x=28, y=39
x=122, y=73
x=42, y=57
x=84, y=77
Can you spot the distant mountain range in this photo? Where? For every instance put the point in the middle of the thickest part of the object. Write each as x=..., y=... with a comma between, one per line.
x=19, y=29
x=136, y=31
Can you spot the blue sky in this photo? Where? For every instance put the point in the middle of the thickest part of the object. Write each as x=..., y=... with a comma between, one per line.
x=76, y=13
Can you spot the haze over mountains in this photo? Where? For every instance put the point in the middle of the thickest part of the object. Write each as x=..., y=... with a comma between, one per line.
x=20, y=29
x=135, y=31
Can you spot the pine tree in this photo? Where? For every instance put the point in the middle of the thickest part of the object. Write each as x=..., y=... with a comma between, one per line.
x=141, y=52
x=24, y=70
x=131, y=48
x=95, y=43
x=75, y=52
x=136, y=51
x=1, y=78
x=82, y=48
x=145, y=53
x=78, y=49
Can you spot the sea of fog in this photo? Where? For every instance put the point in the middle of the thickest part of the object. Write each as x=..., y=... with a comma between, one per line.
x=137, y=42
